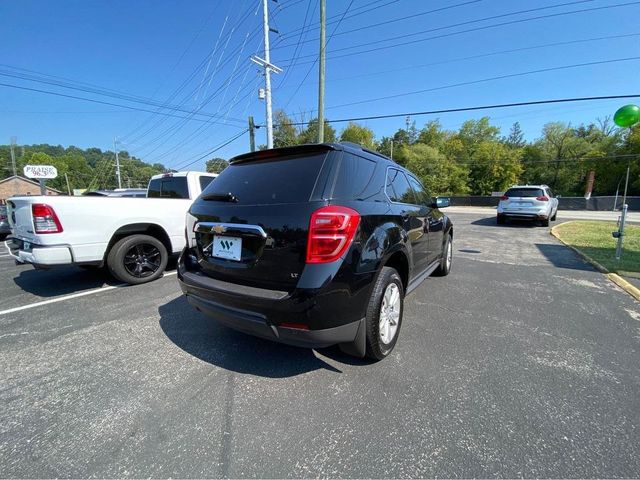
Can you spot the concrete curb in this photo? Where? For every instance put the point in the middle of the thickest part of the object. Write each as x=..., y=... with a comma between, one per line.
x=614, y=277
x=623, y=284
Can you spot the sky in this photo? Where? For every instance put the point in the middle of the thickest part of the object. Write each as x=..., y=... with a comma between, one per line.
x=173, y=83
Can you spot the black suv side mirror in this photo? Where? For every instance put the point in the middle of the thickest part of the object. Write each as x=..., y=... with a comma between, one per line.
x=440, y=202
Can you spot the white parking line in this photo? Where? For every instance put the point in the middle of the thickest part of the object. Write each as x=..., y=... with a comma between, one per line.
x=70, y=296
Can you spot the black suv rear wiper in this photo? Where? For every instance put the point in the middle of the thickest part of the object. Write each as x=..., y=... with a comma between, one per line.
x=220, y=197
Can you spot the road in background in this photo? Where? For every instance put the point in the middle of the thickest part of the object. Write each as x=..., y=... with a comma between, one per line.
x=522, y=362
x=563, y=215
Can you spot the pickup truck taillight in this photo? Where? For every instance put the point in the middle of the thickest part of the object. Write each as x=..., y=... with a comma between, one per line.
x=331, y=231
x=45, y=219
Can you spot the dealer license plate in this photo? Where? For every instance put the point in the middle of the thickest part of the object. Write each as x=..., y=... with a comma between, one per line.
x=229, y=248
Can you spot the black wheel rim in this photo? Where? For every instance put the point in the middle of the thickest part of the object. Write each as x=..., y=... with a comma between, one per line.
x=142, y=260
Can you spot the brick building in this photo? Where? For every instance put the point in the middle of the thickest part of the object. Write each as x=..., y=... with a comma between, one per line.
x=17, y=185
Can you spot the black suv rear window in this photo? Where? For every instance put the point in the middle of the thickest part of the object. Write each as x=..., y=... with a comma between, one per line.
x=283, y=180
x=524, y=192
x=168, y=187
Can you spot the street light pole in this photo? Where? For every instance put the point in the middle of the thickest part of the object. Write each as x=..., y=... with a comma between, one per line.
x=623, y=216
x=625, y=117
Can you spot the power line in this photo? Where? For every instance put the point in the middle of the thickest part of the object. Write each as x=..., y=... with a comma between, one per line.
x=445, y=35
x=57, y=94
x=366, y=9
x=418, y=14
x=302, y=32
x=97, y=90
x=316, y=59
x=173, y=129
x=185, y=82
x=231, y=140
x=481, y=107
x=483, y=80
x=170, y=132
x=488, y=54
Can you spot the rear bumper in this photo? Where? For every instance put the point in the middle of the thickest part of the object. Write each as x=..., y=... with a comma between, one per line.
x=525, y=215
x=257, y=325
x=39, y=255
x=324, y=317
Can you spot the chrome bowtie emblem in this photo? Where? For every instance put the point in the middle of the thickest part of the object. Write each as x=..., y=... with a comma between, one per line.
x=218, y=229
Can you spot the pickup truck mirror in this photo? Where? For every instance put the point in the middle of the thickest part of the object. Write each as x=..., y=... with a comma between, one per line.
x=440, y=202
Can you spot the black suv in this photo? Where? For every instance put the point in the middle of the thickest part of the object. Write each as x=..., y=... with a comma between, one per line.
x=314, y=245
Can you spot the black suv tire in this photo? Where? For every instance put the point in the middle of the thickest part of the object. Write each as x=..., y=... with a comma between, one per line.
x=447, y=257
x=377, y=348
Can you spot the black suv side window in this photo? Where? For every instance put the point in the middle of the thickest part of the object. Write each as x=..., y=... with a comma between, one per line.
x=398, y=188
x=422, y=197
x=354, y=177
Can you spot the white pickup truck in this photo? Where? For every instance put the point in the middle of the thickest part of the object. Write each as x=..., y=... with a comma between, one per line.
x=133, y=237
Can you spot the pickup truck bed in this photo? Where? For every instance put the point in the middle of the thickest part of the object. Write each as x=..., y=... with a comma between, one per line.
x=132, y=236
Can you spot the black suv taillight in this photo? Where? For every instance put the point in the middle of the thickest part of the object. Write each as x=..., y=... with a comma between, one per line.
x=331, y=232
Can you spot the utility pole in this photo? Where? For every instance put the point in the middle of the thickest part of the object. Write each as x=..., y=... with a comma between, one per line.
x=392, y=149
x=268, y=68
x=66, y=177
x=323, y=21
x=252, y=135
x=115, y=141
x=13, y=163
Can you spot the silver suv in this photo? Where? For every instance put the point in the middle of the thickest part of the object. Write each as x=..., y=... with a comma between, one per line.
x=529, y=202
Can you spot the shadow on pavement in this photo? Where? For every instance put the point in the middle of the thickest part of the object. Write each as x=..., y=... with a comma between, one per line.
x=204, y=338
x=563, y=257
x=66, y=280
x=491, y=222
x=61, y=280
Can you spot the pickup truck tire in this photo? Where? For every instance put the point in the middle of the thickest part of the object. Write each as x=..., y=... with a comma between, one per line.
x=384, y=314
x=137, y=259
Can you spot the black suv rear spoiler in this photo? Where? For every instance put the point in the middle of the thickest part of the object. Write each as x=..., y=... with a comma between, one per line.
x=285, y=151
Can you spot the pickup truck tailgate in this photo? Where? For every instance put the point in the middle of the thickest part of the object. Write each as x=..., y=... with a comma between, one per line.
x=20, y=220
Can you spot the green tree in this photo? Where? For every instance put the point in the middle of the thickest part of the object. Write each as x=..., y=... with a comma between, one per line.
x=284, y=132
x=433, y=135
x=358, y=134
x=495, y=167
x=216, y=165
x=439, y=175
x=384, y=146
x=516, y=137
x=473, y=132
x=310, y=133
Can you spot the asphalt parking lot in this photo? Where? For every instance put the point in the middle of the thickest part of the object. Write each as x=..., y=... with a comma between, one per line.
x=523, y=362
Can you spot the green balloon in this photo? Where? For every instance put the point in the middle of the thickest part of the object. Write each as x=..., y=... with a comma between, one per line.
x=627, y=116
